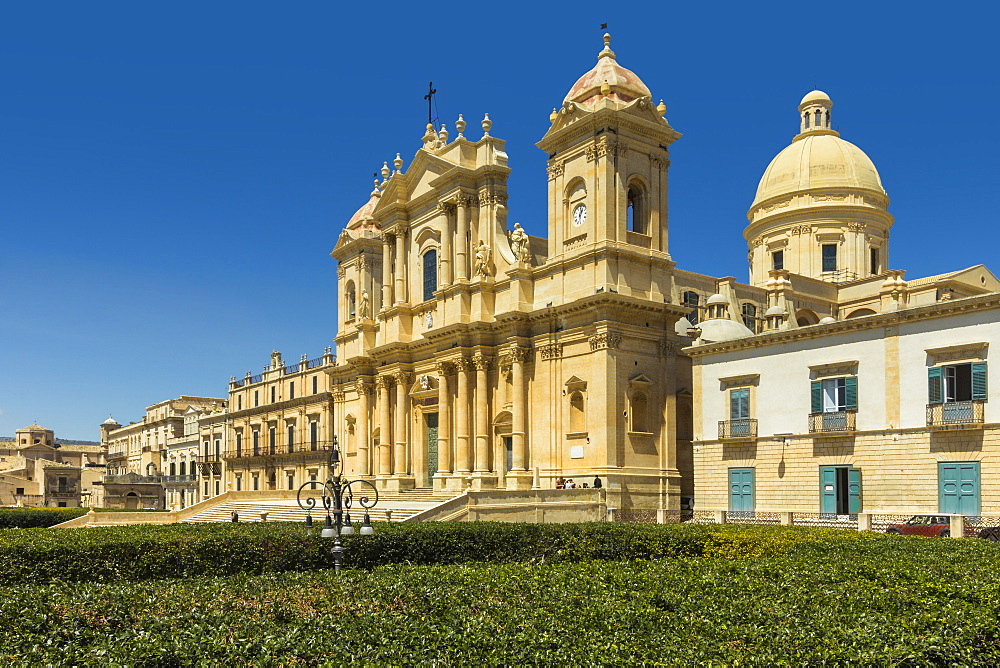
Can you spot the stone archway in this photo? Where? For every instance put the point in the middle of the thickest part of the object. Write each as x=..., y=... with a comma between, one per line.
x=503, y=445
x=132, y=501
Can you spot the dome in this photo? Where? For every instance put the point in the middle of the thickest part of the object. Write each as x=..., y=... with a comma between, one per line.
x=364, y=213
x=816, y=97
x=110, y=420
x=818, y=161
x=716, y=299
x=774, y=310
x=623, y=85
x=828, y=320
x=719, y=330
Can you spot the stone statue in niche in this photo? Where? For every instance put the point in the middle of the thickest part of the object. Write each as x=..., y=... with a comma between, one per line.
x=483, y=254
x=425, y=382
x=428, y=320
x=519, y=243
x=366, y=305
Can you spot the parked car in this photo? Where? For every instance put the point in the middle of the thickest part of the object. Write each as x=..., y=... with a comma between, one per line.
x=938, y=525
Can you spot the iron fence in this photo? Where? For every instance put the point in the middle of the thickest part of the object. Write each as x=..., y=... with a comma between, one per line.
x=955, y=413
x=839, y=421
x=741, y=429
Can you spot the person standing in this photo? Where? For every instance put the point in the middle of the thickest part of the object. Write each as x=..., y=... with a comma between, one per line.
x=597, y=482
x=234, y=517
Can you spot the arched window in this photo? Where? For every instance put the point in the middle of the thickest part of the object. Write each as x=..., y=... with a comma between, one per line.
x=750, y=316
x=806, y=117
x=183, y=466
x=828, y=119
x=636, y=211
x=690, y=298
x=640, y=412
x=819, y=116
x=430, y=274
x=173, y=468
x=577, y=413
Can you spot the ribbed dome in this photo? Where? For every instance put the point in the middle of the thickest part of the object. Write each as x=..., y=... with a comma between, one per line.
x=818, y=161
x=719, y=330
x=364, y=213
x=623, y=84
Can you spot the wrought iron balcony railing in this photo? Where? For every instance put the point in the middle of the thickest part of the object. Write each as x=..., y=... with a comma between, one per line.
x=318, y=448
x=130, y=479
x=954, y=414
x=742, y=429
x=832, y=422
x=180, y=478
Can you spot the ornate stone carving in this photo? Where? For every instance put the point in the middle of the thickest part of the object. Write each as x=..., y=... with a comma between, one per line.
x=445, y=368
x=834, y=197
x=493, y=198
x=463, y=364
x=556, y=169
x=519, y=354
x=483, y=255
x=776, y=205
x=801, y=229
x=364, y=386
x=364, y=264
x=338, y=395
x=482, y=362
x=388, y=238
x=425, y=382
x=341, y=270
x=666, y=348
x=465, y=201
x=447, y=208
x=756, y=241
x=519, y=243
x=658, y=163
x=383, y=382
x=403, y=377
x=605, y=340
x=856, y=227
x=550, y=351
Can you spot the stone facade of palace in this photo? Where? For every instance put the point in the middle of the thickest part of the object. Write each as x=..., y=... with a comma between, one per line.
x=37, y=469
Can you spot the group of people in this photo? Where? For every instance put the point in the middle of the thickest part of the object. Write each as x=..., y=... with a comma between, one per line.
x=569, y=483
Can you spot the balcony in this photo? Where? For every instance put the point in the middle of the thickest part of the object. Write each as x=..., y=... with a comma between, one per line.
x=131, y=479
x=833, y=423
x=305, y=452
x=956, y=415
x=65, y=493
x=179, y=478
x=743, y=429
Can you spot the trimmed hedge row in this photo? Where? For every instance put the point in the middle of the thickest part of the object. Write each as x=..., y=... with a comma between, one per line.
x=144, y=552
x=30, y=518
x=869, y=601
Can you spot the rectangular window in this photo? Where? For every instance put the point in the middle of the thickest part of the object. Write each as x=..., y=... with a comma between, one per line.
x=256, y=442
x=291, y=481
x=239, y=444
x=218, y=448
x=239, y=402
x=739, y=404
x=874, y=261
x=256, y=398
x=256, y=483
x=829, y=257
x=216, y=487
x=239, y=483
x=273, y=394
x=690, y=298
x=291, y=438
x=778, y=260
x=291, y=390
x=206, y=488
x=956, y=383
x=315, y=384
x=835, y=395
x=272, y=440
x=313, y=435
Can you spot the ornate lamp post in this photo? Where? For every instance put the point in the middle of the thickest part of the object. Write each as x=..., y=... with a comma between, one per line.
x=337, y=495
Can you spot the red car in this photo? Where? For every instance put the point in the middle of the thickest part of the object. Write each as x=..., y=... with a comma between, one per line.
x=927, y=525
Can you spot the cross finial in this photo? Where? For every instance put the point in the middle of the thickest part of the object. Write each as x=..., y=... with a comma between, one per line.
x=431, y=90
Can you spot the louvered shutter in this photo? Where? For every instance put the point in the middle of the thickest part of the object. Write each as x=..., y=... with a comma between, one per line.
x=851, y=393
x=978, y=381
x=817, y=396
x=934, y=389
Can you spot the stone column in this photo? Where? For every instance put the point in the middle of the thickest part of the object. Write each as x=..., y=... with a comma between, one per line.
x=463, y=451
x=365, y=388
x=384, y=443
x=445, y=369
x=519, y=357
x=483, y=365
x=400, y=263
x=445, y=260
x=462, y=240
x=402, y=386
x=386, y=270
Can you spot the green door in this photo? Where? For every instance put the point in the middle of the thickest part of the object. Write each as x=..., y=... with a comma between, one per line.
x=840, y=490
x=432, y=444
x=958, y=487
x=741, y=490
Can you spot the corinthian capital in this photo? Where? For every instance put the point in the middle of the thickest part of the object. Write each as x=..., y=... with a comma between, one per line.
x=482, y=362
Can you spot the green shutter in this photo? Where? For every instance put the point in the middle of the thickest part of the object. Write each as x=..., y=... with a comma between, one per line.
x=851, y=392
x=978, y=381
x=817, y=396
x=934, y=390
x=854, y=490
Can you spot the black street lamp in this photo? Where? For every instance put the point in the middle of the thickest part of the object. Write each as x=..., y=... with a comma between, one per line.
x=338, y=495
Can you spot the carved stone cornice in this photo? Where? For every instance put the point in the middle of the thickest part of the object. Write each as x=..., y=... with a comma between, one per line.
x=605, y=340
x=493, y=198
x=550, y=351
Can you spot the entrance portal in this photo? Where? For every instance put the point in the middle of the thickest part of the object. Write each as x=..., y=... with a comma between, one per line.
x=432, y=445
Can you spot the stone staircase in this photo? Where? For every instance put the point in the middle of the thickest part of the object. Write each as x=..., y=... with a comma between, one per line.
x=398, y=505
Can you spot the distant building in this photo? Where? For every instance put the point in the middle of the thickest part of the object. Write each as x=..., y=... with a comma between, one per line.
x=36, y=469
x=139, y=452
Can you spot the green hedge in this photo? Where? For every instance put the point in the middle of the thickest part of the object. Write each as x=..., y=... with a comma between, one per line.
x=29, y=518
x=143, y=552
x=835, y=600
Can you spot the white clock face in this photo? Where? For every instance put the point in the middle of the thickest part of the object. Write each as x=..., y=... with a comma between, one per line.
x=579, y=215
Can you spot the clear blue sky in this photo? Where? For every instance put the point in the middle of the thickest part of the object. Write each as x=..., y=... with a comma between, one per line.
x=174, y=175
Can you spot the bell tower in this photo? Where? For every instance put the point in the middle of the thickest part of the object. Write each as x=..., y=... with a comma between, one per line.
x=608, y=149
